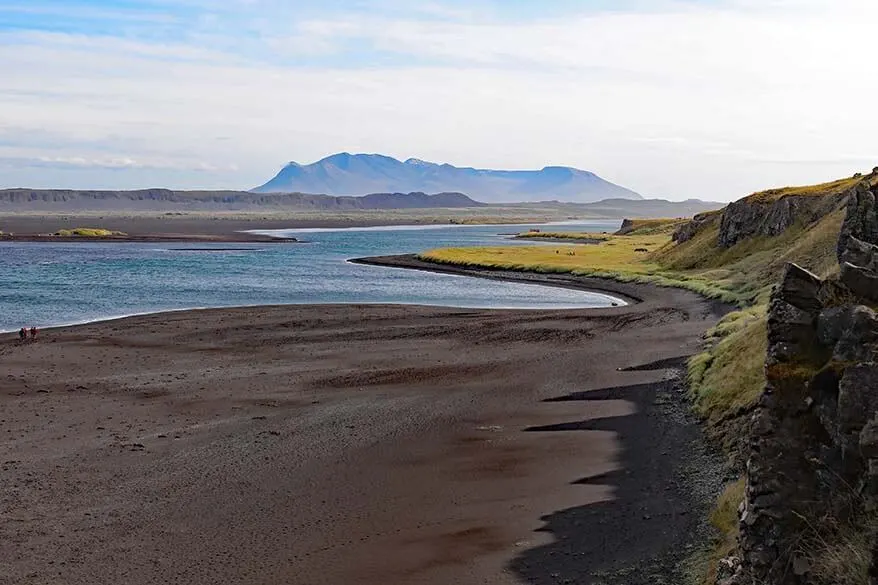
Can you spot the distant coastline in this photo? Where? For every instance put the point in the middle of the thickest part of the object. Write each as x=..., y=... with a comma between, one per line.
x=240, y=238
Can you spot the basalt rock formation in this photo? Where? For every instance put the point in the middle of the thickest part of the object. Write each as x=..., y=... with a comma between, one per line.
x=862, y=217
x=810, y=515
x=771, y=213
x=764, y=216
x=688, y=230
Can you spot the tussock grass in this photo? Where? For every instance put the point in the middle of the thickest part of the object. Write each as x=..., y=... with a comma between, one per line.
x=88, y=233
x=838, y=538
x=730, y=374
x=841, y=553
x=724, y=520
x=823, y=189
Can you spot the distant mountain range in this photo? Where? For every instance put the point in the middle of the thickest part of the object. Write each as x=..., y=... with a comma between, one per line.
x=166, y=200
x=357, y=174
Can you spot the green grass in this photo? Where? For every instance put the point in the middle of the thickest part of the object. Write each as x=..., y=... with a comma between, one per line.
x=622, y=258
x=724, y=520
x=729, y=374
x=840, y=553
x=753, y=266
x=823, y=189
x=88, y=233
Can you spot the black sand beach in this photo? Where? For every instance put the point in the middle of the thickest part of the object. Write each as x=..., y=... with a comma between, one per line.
x=356, y=444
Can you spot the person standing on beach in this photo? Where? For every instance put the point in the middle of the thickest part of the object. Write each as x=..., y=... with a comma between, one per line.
x=33, y=333
x=22, y=334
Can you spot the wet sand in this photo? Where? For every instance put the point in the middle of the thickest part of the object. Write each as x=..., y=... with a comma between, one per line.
x=353, y=444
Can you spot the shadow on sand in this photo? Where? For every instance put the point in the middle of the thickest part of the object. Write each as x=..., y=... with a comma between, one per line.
x=666, y=479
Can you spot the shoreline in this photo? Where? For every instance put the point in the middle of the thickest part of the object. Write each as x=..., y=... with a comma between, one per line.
x=624, y=294
x=477, y=477
x=150, y=238
x=630, y=293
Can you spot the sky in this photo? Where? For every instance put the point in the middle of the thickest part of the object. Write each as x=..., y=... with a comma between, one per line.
x=675, y=99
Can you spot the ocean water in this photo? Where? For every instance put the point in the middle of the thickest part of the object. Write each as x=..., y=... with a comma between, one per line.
x=48, y=284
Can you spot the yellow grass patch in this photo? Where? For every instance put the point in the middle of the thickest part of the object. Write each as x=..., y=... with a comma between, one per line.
x=88, y=233
x=823, y=189
x=724, y=519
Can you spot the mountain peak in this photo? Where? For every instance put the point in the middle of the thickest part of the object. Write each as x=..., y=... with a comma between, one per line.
x=420, y=163
x=356, y=174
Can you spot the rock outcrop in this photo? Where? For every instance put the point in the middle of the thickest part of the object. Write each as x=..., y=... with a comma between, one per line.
x=773, y=212
x=766, y=216
x=813, y=448
x=861, y=221
x=690, y=229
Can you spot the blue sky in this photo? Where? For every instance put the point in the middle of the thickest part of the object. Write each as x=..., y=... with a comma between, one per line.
x=672, y=98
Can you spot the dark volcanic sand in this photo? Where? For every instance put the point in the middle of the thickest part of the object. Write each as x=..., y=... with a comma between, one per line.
x=352, y=445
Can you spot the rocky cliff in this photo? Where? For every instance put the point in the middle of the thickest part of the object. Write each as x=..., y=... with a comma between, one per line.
x=771, y=217
x=771, y=213
x=810, y=515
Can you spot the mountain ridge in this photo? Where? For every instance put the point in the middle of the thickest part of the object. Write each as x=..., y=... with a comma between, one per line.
x=346, y=174
x=167, y=199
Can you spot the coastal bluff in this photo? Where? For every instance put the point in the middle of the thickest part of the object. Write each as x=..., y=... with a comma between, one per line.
x=811, y=496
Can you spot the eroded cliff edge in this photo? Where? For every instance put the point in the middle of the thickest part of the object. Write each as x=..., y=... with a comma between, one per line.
x=810, y=511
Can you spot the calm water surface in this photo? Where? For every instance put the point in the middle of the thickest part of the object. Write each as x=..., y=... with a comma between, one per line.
x=47, y=284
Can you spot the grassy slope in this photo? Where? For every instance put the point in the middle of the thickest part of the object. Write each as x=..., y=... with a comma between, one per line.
x=832, y=188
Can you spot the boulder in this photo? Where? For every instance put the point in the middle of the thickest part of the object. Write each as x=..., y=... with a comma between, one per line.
x=861, y=220
x=851, y=331
x=832, y=323
x=792, y=315
x=857, y=397
x=860, y=253
x=801, y=288
x=869, y=439
x=690, y=229
x=627, y=226
x=860, y=280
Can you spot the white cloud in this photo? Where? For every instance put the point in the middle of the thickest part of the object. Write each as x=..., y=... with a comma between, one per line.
x=681, y=102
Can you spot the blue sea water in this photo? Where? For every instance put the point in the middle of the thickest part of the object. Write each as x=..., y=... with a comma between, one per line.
x=48, y=284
